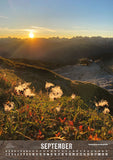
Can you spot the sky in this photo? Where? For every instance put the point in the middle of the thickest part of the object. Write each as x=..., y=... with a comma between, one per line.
x=52, y=18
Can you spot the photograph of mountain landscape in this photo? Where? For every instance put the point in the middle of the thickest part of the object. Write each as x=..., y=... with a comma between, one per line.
x=56, y=70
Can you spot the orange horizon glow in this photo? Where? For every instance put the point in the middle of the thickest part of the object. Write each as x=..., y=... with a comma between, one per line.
x=31, y=35
x=47, y=37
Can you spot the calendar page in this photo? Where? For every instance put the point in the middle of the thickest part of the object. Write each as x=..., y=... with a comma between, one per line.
x=56, y=79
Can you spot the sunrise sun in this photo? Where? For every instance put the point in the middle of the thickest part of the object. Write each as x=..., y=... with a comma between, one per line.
x=31, y=35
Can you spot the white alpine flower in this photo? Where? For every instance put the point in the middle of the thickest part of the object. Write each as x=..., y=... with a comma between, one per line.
x=58, y=109
x=24, y=89
x=9, y=106
x=48, y=85
x=106, y=110
x=21, y=87
x=101, y=103
x=73, y=96
x=28, y=93
x=56, y=92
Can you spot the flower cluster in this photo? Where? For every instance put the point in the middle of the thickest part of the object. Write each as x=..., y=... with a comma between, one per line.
x=102, y=103
x=103, y=106
x=24, y=89
x=55, y=92
x=8, y=106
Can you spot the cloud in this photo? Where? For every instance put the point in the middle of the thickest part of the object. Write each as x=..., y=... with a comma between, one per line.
x=13, y=32
x=16, y=29
x=43, y=29
x=4, y=17
x=9, y=29
x=29, y=30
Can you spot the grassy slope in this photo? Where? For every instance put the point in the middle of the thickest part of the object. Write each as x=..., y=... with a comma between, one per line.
x=38, y=118
x=38, y=63
x=38, y=76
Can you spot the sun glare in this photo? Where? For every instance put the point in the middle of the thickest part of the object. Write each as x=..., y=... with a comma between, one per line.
x=31, y=35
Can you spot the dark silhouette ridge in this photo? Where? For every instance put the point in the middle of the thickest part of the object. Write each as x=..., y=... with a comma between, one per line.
x=56, y=50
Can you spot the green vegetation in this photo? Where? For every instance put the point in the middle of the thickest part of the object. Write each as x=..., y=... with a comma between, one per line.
x=37, y=117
